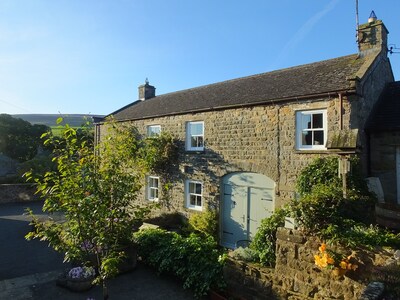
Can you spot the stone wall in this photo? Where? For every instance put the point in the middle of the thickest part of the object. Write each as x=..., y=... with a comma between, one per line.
x=375, y=79
x=258, y=139
x=297, y=277
x=383, y=162
x=17, y=193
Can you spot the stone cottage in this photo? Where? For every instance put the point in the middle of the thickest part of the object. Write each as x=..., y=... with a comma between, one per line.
x=244, y=141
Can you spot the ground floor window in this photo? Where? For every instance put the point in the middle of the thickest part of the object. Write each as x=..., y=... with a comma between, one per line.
x=194, y=194
x=152, y=187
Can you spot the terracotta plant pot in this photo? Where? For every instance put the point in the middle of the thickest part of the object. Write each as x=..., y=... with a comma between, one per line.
x=75, y=285
x=79, y=285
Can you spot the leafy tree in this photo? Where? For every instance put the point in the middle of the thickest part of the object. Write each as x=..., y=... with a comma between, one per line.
x=96, y=189
x=19, y=139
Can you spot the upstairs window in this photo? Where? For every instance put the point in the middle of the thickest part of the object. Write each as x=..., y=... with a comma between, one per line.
x=153, y=130
x=311, y=129
x=194, y=195
x=152, y=187
x=195, y=136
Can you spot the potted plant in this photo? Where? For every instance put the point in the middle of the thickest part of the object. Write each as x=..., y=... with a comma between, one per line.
x=78, y=279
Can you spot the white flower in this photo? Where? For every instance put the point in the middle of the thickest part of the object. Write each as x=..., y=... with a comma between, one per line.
x=81, y=272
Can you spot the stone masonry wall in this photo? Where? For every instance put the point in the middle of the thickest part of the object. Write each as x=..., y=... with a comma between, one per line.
x=17, y=193
x=383, y=162
x=375, y=80
x=297, y=277
x=257, y=139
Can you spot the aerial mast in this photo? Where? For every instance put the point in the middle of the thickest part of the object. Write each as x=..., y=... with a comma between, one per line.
x=357, y=25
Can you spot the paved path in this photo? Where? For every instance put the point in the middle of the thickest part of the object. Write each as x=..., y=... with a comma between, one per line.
x=140, y=284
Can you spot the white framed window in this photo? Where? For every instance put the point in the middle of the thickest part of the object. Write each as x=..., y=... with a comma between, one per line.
x=311, y=129
x=194, y=194
x=153, y=130
x=152, y=187
x=195, y=136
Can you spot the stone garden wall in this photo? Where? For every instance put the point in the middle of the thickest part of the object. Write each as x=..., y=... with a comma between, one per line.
x=17, y=193
x=297, y=277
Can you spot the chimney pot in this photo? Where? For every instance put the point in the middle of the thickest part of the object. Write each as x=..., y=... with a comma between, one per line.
x=372, y=17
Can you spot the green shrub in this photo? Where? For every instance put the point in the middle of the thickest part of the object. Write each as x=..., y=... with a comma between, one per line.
x=316, y=210
x=320, y=171
x=323, y=210
x=264, y=242
x=321, y=200
x=205, y=223
x=245, y=254
x=196, y=260
x=353, y=234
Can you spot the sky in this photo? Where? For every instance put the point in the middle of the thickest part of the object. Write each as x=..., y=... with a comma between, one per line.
x=90, y=56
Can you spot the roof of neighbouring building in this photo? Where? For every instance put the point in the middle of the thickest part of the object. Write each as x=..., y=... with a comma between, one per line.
x=386, y=114
x=306, y=80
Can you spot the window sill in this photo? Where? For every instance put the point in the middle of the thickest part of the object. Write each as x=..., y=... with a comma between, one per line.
x=196, y=208
x=153, y=200
x=194, y=151
x=321, y=151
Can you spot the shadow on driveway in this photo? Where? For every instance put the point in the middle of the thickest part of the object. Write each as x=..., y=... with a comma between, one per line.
x=140, y=284
x=19, y=257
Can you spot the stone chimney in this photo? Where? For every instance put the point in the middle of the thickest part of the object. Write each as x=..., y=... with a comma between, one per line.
x=146, y=91
x=372, y=36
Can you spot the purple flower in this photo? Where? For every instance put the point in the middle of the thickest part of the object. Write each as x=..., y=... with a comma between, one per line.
x=81, y=272
x=87, y=245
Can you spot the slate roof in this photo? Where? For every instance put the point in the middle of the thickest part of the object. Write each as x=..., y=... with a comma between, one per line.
x=281, y=85
x=386, y=114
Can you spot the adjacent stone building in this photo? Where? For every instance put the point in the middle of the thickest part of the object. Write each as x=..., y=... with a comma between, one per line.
x=244, y=141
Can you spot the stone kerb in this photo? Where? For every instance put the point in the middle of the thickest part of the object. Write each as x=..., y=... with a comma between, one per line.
x=17, y=193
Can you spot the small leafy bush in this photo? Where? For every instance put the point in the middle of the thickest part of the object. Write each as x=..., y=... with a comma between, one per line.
x=205, y=223
x=320, y=171
x=245, y=254
x=353, y=234
x=316, y=210
x=322, y=209
x=264, y=243
x=321, y=200
x=194, y=259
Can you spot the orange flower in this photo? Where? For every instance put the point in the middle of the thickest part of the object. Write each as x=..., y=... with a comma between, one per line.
x=343, y=265
x=330, y=260
x=322, y=248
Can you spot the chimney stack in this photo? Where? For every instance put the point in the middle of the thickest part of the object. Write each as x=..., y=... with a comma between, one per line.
x=146, y=91
x=372, y=36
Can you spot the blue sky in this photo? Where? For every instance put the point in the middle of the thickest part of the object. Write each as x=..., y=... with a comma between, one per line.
x=89, y=56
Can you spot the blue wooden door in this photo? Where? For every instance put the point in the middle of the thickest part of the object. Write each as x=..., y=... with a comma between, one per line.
x=247, y=199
